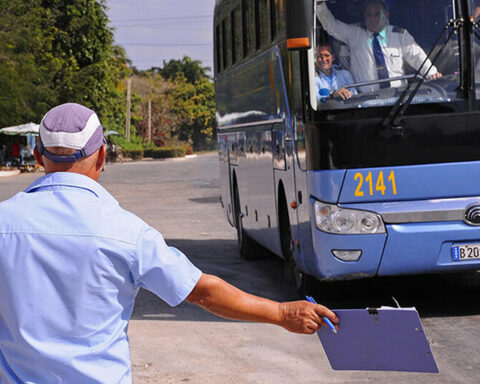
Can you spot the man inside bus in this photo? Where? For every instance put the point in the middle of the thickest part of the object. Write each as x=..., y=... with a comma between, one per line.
x=378, y=50
x=330, y=78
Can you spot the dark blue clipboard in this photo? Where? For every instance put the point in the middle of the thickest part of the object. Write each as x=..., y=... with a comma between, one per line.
x=383, y=339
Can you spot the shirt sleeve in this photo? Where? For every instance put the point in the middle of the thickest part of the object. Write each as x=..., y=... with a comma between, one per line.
x=341, y=31
x=415, y=55
x=163, y=270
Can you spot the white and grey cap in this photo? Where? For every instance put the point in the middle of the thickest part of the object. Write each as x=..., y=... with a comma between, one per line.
x=72, y=126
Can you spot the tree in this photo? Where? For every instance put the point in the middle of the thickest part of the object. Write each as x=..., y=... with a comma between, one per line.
x=91, y=66
x=195, y=105
x=191, y=69
x=150, y=86
x=26, y=68
x=55, y=51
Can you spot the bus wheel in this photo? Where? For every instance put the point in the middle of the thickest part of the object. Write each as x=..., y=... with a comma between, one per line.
x=247, y=247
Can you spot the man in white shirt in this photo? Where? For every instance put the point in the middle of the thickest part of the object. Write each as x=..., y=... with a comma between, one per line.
x=379, y=50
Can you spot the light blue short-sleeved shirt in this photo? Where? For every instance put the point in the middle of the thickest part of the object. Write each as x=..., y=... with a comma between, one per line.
x=340, y=78
x=71, y=263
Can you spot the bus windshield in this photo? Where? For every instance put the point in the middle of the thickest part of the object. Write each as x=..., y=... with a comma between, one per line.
x=367, y=52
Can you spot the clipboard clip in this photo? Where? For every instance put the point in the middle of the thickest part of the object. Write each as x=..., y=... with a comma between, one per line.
x=396, y=302
x=374, y=313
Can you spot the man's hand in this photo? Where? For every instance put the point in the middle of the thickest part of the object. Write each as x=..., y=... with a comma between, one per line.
x=223, y=299
x=434, y=76
x=305, y=317
x=342, y=93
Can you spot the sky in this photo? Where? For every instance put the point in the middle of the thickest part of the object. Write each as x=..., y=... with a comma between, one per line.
x=151, y=31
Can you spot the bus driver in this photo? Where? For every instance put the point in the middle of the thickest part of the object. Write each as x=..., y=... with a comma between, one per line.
x=379, y=50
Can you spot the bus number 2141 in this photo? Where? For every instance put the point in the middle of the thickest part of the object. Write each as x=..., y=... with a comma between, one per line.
x=374, y=186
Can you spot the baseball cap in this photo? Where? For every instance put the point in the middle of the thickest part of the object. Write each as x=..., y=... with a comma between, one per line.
x=72, y=126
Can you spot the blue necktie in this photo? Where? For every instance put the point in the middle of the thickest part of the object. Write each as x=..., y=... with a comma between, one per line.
x=380, y=61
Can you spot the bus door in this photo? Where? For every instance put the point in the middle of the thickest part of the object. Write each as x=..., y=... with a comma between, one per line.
x=225, y=188
x=255, y=181
x=284, y=176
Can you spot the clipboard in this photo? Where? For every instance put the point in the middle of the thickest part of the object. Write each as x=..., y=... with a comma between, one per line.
x=378, y=339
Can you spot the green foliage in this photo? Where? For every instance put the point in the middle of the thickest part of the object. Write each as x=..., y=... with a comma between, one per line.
x=120, y=141
x=25, y=71
x=134, y=154
x=195, y=107
x=56, y=51
x=182, y=110
x=164, y=152
x=191, y=69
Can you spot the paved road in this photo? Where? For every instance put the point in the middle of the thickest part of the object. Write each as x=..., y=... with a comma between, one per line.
x=188, y=345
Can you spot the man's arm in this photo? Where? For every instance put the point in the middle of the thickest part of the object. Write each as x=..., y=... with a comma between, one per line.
x=341, y=31
x=223, y=299
x=415, y=55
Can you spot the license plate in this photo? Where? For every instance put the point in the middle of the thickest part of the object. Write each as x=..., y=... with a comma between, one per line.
x=463, y=252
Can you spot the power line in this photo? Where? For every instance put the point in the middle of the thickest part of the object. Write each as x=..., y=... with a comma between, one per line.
x=164, y=26
x=167, y=44
x=163, y=19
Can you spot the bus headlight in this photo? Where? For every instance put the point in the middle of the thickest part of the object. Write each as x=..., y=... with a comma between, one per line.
x=333, y=219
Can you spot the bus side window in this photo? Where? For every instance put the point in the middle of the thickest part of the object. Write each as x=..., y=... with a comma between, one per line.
x=218, y=48
x=245, y=28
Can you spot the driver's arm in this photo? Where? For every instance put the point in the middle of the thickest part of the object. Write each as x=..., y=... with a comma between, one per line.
x=415, y=56
x=341, y=31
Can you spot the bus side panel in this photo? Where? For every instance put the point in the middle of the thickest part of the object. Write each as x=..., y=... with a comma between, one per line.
x=251, y=102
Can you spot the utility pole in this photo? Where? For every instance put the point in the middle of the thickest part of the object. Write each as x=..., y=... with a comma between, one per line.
x=149, y=133
x=129, y=95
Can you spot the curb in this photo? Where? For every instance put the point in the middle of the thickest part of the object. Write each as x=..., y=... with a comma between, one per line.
x=9, y=173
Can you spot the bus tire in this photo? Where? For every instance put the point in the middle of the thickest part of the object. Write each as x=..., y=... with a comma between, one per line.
x=247, y=247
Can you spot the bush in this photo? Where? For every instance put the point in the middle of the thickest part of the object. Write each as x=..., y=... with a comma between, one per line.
x=164, y=152
x=134, y=154
x=130, y=149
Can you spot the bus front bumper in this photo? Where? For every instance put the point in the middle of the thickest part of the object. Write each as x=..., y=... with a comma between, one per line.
x=412, y=248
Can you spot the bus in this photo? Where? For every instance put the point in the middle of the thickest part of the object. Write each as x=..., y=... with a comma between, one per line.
x=384, y=182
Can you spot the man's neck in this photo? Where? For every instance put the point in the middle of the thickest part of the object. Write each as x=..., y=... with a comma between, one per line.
x=328, y=72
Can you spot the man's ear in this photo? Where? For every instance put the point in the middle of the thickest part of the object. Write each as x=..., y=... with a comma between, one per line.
x=102, y=153
x=37, y=156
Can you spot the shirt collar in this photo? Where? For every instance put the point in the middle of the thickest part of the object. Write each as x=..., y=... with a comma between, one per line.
x=334, y=73
x=70, y=179
x=382, y=35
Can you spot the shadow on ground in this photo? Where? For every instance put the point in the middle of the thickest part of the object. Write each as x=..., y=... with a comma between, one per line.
x=432, y=295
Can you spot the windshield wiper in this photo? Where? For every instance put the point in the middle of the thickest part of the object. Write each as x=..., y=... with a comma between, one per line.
x=398, y=110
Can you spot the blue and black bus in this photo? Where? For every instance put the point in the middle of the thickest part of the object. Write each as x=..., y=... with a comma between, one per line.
x=386, y=182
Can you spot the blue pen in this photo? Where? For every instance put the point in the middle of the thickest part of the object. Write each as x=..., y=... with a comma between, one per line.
x=325, y=319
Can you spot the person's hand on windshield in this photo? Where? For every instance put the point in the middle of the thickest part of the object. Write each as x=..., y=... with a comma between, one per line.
x=434, y=76
x=342, y=93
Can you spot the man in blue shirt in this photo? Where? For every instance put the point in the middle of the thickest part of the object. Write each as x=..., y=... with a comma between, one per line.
x=332, y=79
x=72, y=261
